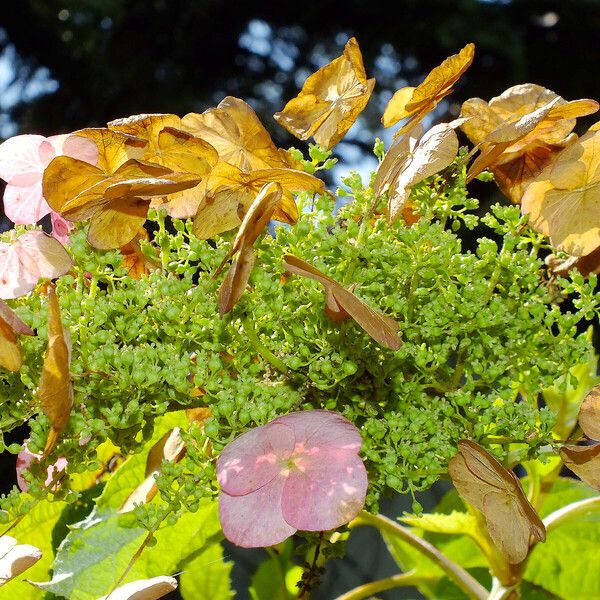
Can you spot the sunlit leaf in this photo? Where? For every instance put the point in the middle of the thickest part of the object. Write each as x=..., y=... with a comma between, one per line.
x=381, y=328
x=494, y=490
x=330, y=100
x=31, y=257
x=562, y=202
x=237, y=134
x=589, y=414
x=255, y=221
x=230, y=192
x=55, y=391
x=584, y=461
x=11, y=354
x=170, y=448
x=416, y=103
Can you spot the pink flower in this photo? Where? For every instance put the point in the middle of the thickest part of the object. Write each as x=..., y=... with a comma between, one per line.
x=24, y=460
x=300, y=471
x=33, y=256
x=23, y=159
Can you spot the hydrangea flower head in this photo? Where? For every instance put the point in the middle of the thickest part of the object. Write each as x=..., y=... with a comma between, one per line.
x=301, y=471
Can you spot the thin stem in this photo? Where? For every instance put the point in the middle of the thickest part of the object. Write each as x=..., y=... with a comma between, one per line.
x=472, y=588
x=389, y=583
x=262, y=349
x=575, y=509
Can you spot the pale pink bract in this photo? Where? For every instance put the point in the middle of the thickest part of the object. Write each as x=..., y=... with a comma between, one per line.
x=23, y=159
x=301, y=471
x=24, y=460
x=33, y=256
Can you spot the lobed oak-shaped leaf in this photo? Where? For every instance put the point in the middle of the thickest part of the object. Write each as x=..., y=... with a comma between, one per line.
x=562, y=202
x=330, y=100
x=382, y=329
x=229, y=193
x=170, y=447
x=11, y=355
x=55, y=391
x=494, y=490
x=238, y=136
x=33, y=256
x=255, y=221
x=416, y=103
x=589, y=414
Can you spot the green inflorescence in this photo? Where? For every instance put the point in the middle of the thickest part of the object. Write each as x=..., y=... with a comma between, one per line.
x=482, y=335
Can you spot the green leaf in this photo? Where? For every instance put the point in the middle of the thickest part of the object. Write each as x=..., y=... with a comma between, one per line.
x=206, y=575
x=276, y=577
x=36, y=529
x=97, y=551
x=568, y=563
x=454, y=523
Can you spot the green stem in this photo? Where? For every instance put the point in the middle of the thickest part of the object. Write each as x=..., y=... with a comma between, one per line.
x=389, y=583
x=472, y=588
x=267, y=355
x=575, y=509
x=364, y=225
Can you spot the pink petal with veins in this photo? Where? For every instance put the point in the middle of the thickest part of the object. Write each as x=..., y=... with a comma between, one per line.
x=327, y=491
x=255, y=520
x=254, y=459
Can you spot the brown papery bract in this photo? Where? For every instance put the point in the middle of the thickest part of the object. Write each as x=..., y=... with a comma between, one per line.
x=55, y=391
x=330, y=100
x=11, y=354
x=482, y=481
x=255, y=222
x=562, y=202
x=584, y=461
x=229, y=193
x=589, y=414
x=119, y=184
x=520, y=132
x=238, y=136
x=134, y=260
x=382, y=329
x=416, y=103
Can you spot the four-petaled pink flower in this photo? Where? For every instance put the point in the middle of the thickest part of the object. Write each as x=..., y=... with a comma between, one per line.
x=23, y=159
x=301, y=471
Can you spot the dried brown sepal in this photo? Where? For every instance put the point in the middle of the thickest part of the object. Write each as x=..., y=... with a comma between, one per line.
x=584, y=461
x=482, y=481
x=330, y=100
x=589, y=414
x=416, y=103
x=170, y=447
x=55, y=391
x=134, y=260
x=236, y=280
x=238, y=136
x=382, y=329
x=229, y=193
x=562, y=201
x=79, y=190
x=11, y=326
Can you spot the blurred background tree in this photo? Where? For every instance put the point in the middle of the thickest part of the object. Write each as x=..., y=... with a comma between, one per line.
x=69, y=64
